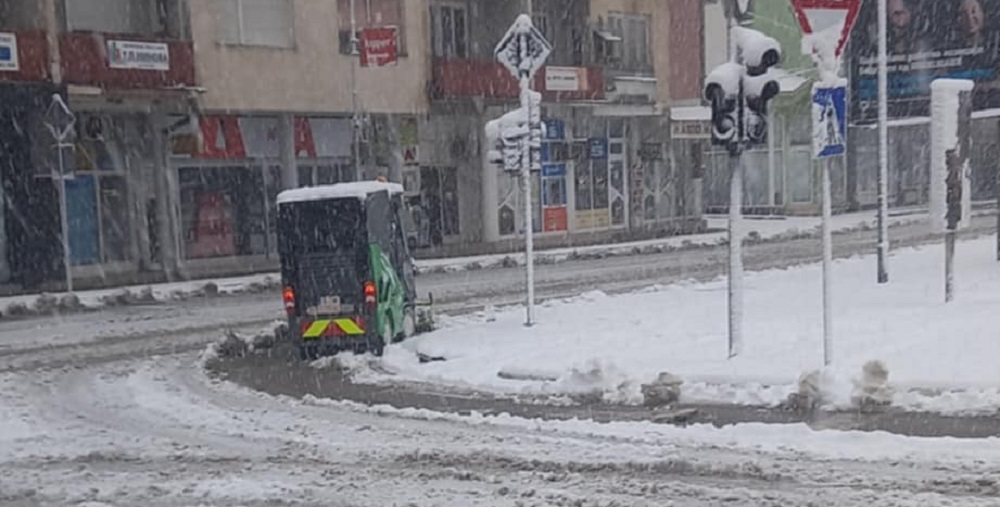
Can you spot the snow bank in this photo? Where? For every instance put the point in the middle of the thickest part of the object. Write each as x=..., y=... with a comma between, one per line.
x=942, y=357
x=777, y=439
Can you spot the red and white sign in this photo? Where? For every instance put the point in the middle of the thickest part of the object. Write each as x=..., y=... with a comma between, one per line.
x=379, y=47
x=816, y=16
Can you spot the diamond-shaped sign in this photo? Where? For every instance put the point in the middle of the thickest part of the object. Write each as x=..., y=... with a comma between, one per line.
x=821, y=16
x=59, y=119
x=523, y=49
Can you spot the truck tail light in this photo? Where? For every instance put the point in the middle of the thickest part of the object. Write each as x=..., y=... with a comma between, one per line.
x=370, y=294
x=288, y=296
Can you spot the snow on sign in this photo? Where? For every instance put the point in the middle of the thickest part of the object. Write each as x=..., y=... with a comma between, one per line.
x=829, y=112
x=523, y=49
x=828, y=19
x=138, y=55
x=8, y=52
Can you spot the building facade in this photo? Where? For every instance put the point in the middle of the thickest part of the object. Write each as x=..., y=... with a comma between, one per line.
x=192, y=115
x=607, y=161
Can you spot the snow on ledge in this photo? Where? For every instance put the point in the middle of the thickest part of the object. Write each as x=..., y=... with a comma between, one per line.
x=955, y=85
x=358, y=190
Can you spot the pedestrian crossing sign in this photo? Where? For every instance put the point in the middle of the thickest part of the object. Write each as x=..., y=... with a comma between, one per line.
x=829, y=108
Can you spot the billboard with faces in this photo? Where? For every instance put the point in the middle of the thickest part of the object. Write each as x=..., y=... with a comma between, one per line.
x=927, y=40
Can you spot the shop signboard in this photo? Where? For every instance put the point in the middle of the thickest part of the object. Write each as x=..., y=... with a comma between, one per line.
x=8, y=52
x=138, y=55
x=555, y=129
x=379, y=47
x=564, y=79
x=597, y=148
x=927, y=40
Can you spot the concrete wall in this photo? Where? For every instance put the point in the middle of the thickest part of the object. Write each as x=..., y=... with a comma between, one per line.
x=312, y=76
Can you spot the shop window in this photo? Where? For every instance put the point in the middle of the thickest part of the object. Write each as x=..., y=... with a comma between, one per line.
x=449, y=30
x=268, y=23
x=228, y=211
x=439, y=199
x=584, y=188
x=371, y=14
x=324, y=174
x=114, y=218
x=555, y=191
x=100, y=229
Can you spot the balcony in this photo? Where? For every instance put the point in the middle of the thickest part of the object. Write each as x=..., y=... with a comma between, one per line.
x=455, y=79
x=25, y=56
x=114, y=61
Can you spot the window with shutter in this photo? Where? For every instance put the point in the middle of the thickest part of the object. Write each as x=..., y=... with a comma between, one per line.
x=268, y=23
x=109, y=16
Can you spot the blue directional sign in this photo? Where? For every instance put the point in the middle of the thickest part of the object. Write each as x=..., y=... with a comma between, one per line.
x=829, y=107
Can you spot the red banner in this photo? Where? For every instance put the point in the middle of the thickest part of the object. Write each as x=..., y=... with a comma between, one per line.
x=379, y=47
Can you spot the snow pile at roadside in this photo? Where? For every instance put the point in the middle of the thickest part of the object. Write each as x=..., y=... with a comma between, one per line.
x=235, y=344
x=49, y=304
x=939, y=357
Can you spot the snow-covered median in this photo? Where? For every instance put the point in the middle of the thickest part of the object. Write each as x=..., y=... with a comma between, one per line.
x=939, y=357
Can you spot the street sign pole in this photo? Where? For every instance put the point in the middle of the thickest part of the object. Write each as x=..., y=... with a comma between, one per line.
x=64, y=217
x=529, y=227
x=523, y=50
x=827, y=265
x=60, y=121
x=820, y=20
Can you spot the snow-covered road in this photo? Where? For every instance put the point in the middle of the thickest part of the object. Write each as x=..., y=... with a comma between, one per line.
x=159, y=432
x=113, y=408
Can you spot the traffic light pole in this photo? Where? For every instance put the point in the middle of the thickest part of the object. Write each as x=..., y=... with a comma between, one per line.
x=883, y=144
x=735, y=252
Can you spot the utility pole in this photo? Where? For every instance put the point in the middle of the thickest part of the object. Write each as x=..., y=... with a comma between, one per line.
x=355, y=106
x=883, y=144
x=739, y=92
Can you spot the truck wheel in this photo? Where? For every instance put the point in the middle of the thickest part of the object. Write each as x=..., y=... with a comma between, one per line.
x=378, y=347
x=409, y=325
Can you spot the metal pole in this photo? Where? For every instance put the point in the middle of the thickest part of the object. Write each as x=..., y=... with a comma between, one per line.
x=883, y=143
x=355, y=116
x=735, y=254
x=949, y=265
x=64, y=217
x=526, y=161
x=735, y=295
x=827, y=265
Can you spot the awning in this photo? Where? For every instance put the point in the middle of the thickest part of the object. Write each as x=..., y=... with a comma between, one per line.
x=607, y=36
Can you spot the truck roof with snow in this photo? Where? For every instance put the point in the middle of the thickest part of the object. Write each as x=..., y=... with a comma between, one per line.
x=357, y=190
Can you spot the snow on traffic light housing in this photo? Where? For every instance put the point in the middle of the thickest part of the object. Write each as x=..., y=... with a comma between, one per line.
x=739, y=91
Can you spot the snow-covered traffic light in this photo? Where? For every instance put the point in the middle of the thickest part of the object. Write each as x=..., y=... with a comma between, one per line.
x=739, y=91
x=508, y=135
x=722, y=91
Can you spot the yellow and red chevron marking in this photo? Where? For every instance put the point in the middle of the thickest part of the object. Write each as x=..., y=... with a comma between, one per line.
x=332, y=327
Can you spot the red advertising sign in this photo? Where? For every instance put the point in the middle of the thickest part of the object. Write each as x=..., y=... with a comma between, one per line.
x=816, y=16
x=379, y=47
